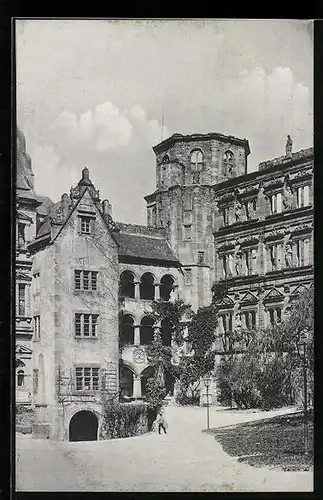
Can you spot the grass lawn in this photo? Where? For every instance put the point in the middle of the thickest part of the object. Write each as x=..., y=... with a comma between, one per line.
x=276, y=442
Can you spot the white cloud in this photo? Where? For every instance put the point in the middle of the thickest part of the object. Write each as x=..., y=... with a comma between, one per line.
x=101, y=129
x=150, y=130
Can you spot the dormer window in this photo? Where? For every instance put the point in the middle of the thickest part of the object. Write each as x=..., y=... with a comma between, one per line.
x=85, y=224
x=196, y=159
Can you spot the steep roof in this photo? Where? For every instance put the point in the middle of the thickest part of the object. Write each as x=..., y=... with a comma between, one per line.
x=140, y=246
x=44, y=208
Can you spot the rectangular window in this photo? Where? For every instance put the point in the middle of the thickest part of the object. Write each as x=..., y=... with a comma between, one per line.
x=36, y=283
x=275, y=315
x=303, y=198
x=200, y=258
x=86, y=325
x=21, y=299
x=37, y=327
x=21, y=235
x=86, y=225
x=226, y=322
x=302, y=252
x=188, y=276
x=187, y=233
x=188, y=202
x=249, y=320
x=87, y=378
x=85, y=280
x=274, y=257
x=276, y=203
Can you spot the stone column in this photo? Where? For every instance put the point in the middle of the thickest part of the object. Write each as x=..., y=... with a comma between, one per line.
x=157, y=291
x=137, y=290
x=136, y=335
x=137, y=386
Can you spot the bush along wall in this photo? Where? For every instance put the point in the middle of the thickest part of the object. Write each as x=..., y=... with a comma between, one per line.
x=24, y=419
x=122, y=420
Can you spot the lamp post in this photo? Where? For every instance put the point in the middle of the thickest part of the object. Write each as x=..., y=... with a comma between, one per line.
x=207, y=381
x=302, y=350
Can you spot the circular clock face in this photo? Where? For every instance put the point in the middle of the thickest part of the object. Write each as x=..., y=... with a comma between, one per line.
x=138, y=355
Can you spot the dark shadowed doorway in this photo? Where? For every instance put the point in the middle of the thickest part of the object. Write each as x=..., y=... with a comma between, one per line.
x=84, y=426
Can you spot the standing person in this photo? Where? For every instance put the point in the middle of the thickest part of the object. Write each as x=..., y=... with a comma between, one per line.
x=161, y=421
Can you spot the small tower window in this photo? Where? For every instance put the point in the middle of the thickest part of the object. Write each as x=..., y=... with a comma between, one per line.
x=228, y=163
x=196, y=160
x=20, y=378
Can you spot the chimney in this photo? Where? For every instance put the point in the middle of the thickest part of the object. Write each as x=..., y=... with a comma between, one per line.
x=106, y=209
x=289, y=146
x=65, y=203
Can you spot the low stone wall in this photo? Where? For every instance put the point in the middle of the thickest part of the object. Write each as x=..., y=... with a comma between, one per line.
x=24, y=419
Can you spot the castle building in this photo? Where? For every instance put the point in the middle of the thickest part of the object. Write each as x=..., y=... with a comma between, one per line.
x=209, y=221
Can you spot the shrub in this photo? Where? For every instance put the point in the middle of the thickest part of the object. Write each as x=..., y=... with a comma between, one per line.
x=124, y=420
x=182, y=398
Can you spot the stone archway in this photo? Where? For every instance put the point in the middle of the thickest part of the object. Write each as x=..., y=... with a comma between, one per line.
x=83, y=426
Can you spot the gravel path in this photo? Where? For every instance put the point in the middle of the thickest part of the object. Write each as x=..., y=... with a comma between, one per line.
x=183, y=460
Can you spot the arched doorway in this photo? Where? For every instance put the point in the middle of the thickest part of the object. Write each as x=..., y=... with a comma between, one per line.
x=83, y=426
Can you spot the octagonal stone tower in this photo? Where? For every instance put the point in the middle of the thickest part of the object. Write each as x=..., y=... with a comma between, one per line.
x=187, y=168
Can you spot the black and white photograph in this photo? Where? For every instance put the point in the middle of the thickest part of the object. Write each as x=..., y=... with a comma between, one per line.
x=163, y=262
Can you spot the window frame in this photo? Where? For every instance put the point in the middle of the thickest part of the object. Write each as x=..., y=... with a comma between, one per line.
x=188, y=272
x=92, y=325
x=83, y=367
x=79, y=277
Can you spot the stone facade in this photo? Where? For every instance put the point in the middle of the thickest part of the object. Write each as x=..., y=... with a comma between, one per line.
x=251, y=231
x=93, y=279
x=26, y=213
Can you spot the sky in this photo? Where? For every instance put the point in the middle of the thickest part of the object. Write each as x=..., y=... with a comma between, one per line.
x=93, y=93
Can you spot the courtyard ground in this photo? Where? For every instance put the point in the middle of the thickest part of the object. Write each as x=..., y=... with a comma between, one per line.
x=186, y=459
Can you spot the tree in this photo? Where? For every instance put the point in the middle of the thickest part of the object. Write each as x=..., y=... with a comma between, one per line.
x=269, y=371
x=160, y=356
x=201, y=337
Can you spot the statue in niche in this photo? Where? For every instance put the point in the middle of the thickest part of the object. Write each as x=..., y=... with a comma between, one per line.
x=239, y=264
x=288, y=197
x=238, y=211
x=288, y=255
x=253, y=260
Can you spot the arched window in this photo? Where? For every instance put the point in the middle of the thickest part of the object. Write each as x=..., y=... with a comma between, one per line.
x=165, y=159
x=228, y=155
x=196, y=159
x=126, y=381
x=166, y=286
x=228, y=163
x=147, y=287
x=20, y=378
x=126, y=329
x=127, y=286
x=146, y=330
x=166, y=332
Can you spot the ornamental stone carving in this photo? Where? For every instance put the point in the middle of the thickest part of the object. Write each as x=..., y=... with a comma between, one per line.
x=138, y=355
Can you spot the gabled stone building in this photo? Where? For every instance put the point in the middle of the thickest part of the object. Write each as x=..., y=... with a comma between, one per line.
x=93, y=279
